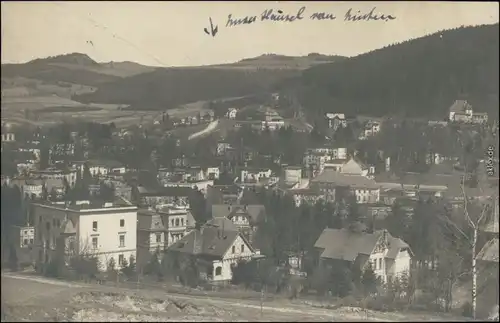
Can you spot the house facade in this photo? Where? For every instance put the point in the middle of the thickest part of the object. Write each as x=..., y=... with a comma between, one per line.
x=335, y=184
x=461, y=112
x=254, y=174
x=56, y=174
x=106, y=230
x=336, y=120
x=389, y=257
x=216, y=251
x=156, y=230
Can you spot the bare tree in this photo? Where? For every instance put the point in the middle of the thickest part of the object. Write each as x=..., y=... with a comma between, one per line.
x=473, y=223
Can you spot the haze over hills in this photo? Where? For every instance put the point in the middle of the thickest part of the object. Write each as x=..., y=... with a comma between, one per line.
x=420, y=77
x=78, y=76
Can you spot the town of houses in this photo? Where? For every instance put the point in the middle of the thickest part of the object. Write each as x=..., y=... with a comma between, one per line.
x=141, y=217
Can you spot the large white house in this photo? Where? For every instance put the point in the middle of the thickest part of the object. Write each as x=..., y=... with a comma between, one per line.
x=334, y=184
x=106, y=230
x=389, y=257
x=461, y=111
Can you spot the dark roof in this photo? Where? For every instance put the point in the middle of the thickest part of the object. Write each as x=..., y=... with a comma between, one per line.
x=223, y=224
x=337, y=161
x=151, y=221
x=459, y=106
x=255, y=212
x=104, y=163
x=339, y=179
x=347, y=245
x=165, y=191
x=214, y=242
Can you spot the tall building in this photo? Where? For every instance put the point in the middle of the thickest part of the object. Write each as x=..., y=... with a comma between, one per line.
x=102, y=229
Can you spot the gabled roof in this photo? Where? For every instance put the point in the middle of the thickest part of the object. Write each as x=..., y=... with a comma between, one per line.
x=255, y=212
x=460, y=106
x=152, y=221
x=180, y=191
x=223, y=224
x=214, y=242
x=490, y=251
x=347, y=245
x=355, y=181
x=68, y=227
x=104, y=163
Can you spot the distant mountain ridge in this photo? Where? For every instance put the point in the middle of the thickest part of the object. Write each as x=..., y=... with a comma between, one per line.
x=419, y=77
x=72, y=58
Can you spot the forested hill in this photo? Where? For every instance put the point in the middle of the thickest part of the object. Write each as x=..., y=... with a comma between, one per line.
x=420, y=77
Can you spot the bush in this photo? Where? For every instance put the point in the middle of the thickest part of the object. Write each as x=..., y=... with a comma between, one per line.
x=349, y=300
x=379, y=303
x=467, y=309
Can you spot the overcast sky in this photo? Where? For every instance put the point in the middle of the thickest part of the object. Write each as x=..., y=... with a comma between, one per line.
x=171, y=33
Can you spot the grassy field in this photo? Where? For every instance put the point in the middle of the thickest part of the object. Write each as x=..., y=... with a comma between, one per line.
x=51, y=109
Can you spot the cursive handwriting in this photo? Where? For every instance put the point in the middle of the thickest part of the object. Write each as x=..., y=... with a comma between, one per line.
x=278, y=15
x=323, y=16
x=358, y=16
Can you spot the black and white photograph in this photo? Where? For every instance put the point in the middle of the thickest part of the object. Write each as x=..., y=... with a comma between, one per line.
x=239, y=161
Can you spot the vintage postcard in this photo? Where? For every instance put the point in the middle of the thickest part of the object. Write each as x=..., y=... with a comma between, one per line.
x=249, y=161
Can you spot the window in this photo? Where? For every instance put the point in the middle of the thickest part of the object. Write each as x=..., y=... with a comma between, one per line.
x=120, y=260
x=218, y=271
x=182, y=222
x=379, y=263
x=31, y=241
x=94, y=242
x=122, y=223
x=242, y=247
x=177, y=222
x=25, y=232
x=25, y=242
x=158, y=237
x=122, y=240
x=172, y=221
x=94, y=226
x=233, y=249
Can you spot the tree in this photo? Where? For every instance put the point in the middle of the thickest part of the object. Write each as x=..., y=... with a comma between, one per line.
x=369, y=280
x=320, y=280
x=474, y=216
x=153, y=267
x=84, y=261
x=244, y=273
x=342, y=280
x=13, y=260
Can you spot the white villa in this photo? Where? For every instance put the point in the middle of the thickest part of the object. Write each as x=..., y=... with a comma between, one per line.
x=107, y=230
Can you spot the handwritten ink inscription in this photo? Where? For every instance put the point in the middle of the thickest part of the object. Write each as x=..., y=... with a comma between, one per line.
x=280, y=16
